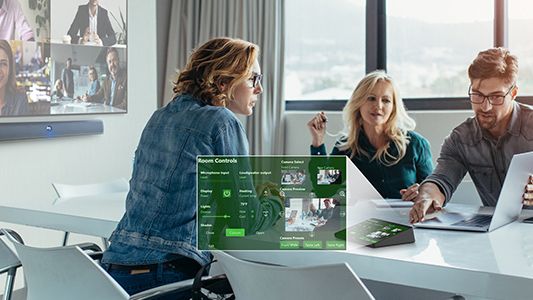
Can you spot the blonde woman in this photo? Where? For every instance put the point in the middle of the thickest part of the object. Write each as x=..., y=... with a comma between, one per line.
x=379, y=138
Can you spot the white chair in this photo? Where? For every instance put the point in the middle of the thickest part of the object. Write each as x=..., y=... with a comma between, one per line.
x=9, y=263
x=251, y=280
x=66, y=273
x=71, y=192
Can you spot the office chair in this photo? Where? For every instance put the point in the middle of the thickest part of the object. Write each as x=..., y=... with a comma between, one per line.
x=70, y=192
x=251, y=280
x=9, y=263
x=66, y=273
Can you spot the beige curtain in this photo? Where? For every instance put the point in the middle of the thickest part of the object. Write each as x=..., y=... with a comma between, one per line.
x=258, y=21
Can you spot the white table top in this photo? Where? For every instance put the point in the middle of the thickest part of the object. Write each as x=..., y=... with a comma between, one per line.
x=492, y=265
x=97, y=216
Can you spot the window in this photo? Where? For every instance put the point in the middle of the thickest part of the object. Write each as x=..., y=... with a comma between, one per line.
x=429, y=46
x=325, y=48
x=521, y=43
x=431, y=43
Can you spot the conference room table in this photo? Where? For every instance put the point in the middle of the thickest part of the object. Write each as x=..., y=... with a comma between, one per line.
x=90, y=215
x=487, y=265
x=495, y=265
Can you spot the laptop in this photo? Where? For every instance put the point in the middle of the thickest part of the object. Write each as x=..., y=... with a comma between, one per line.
x=507, y=209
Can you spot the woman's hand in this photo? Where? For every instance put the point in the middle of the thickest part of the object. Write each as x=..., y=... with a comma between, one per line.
x=410, y=193
x=317, y=127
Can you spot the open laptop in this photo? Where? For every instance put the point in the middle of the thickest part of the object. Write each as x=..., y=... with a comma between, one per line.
x=507, y=209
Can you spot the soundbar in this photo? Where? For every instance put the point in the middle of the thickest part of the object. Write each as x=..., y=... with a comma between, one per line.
x=51, y=129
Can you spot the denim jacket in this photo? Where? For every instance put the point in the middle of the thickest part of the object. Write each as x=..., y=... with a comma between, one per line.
x=160, y=218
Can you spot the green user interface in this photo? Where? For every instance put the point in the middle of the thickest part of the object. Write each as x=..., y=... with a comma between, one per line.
x=271, y=202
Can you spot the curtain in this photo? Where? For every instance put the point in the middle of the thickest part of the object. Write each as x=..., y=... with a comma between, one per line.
x=259, y=21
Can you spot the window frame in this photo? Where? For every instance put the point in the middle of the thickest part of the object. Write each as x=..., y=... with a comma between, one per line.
x=376, y=58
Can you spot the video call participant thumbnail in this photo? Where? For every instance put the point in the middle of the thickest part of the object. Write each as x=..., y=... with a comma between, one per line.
x=91, y=25
x=13, y=102
x=113, y=91
x=13, y=23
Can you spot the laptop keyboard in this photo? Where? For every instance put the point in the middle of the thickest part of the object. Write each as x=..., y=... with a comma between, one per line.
x=475, y=221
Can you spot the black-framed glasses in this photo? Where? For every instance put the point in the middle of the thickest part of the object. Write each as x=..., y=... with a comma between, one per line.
x=479, y=98
x=255, y=80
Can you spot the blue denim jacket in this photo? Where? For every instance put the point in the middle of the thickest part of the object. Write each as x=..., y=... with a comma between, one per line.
x=160, y=218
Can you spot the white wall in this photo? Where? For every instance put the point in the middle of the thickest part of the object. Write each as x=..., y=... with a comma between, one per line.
x=434, y=125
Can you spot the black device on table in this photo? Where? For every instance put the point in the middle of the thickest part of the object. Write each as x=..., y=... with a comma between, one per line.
x=377, y=233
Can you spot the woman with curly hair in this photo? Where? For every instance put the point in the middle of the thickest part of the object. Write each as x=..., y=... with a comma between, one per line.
x=155, y=242
x=379, y=138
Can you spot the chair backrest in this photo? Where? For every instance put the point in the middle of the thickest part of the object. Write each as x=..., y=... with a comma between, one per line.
x=69, y=191
x=65, y=273
x=9, y=263
x=8, y=259
x=251, y=280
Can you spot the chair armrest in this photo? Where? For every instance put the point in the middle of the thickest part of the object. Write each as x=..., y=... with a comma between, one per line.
x=167, y=288
x=96, y=255
x=13, y=234
x=10, y=269
x=164, y=289
x=89, y=247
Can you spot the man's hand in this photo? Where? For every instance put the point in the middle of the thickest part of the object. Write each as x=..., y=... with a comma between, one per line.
x=423, y=207
x=429, y=200
x=410, y=193
x=528, y=194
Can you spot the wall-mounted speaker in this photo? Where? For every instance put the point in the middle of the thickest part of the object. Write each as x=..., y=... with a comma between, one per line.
x=51, y=129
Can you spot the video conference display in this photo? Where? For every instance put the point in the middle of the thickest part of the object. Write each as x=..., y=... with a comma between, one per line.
x=63, y=57
x=271, y=202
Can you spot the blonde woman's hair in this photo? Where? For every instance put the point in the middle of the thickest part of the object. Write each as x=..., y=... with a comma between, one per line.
x=396, y=127
x=494, y=62
x=219, y=61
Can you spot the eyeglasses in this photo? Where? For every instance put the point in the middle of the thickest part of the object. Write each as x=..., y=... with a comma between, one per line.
x=254, y=80
x=478, y=98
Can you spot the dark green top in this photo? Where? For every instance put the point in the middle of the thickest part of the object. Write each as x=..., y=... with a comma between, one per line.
x=415, y=166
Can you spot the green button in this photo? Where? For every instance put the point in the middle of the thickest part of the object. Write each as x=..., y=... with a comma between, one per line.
x=337, y=245
x=312, y=244
x=289, y=245
x=234, y=231
x=226, y=193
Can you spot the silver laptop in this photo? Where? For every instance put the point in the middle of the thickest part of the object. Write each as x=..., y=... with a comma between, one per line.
x=507, y=209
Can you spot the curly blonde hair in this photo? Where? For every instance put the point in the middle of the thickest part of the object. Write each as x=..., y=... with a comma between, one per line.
x=396, y=127
x=219, y=61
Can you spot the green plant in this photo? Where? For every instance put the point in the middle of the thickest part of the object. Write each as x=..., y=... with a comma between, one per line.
x=42, y=16
x=122, y=36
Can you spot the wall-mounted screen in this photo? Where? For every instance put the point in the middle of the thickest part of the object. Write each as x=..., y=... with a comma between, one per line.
x=63, y=57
